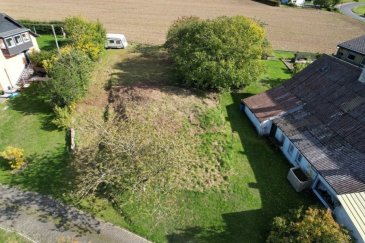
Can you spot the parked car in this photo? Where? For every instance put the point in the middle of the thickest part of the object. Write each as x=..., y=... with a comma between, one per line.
x=116, y=41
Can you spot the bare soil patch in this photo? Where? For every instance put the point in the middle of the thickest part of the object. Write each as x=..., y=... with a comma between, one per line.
x=147, y=21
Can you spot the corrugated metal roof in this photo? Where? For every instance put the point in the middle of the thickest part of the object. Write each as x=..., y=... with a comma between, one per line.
x=354, y=205
x=329, y=125
x=356, y=45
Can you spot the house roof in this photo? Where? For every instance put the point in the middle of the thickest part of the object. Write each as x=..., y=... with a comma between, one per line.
x=354, y=206
x=9, y=26
x=272, y=103
x=356, y=45
x=328, y=122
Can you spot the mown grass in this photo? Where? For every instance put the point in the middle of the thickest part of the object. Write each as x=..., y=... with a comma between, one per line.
x=47, y=42
x=25, y=122
x=360, y=10
x=350, y=1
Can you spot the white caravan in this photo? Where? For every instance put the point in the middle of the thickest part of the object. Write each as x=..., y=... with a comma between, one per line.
x=116, y=41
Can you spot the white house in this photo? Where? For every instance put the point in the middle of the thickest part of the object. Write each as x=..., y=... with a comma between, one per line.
x=318, y=120
x=16, y=42
x=295, y=2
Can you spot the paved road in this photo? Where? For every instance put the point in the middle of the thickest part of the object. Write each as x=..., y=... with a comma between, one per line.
x=44, y=219
x=347, y=10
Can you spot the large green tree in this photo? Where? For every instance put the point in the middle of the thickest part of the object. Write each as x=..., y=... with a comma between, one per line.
x=217, y=54
x=70, y=76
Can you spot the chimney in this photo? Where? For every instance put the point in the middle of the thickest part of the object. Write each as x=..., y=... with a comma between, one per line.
x=362, y=76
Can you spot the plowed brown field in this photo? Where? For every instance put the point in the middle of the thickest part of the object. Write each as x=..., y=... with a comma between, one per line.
x=147, y=21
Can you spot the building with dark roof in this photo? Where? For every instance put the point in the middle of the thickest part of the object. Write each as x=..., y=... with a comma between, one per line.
x=317, y=118
x=16, y=42
x=353, y=51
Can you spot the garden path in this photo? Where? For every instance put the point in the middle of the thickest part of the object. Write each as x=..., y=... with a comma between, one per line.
x=44, y=219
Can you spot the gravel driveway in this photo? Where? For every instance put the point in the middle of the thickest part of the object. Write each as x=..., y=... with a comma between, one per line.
x=346, y=9
x=44, y=219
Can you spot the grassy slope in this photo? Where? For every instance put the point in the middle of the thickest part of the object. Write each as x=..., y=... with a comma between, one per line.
x=360, y=10
x=257, y=191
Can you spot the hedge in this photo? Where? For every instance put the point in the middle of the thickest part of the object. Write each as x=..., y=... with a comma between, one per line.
x=43, y=27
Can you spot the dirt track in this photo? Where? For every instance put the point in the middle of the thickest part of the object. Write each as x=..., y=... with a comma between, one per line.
x=148, y=21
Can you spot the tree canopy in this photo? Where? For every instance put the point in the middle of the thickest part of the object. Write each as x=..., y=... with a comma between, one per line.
x=217, y=54
x=306, y=226
x=70, y=76
x=86, y=36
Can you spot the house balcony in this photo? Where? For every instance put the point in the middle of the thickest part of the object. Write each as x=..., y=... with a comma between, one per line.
x=16, y=49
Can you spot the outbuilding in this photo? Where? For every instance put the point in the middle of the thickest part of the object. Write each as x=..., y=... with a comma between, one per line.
x=318, y=121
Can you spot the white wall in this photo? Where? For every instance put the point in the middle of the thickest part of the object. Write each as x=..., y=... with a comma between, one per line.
x=304, y=164
x=253, y=120
x=35, y=44
x=343, y=218
x=14, y=67
x=298, y=2
x=262, y=128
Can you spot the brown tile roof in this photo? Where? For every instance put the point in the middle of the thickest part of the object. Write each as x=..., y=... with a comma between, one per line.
x=272, y=103
x=329, y=126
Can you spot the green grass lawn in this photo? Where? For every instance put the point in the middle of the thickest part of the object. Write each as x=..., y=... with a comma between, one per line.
x=284, y=54
x=25, y=123
x=47, y=42
x=350, y=1
x=360, y=10
x=11, y=237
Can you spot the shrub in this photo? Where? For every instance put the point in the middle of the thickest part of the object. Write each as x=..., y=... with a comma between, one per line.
x=298, y=67
x=63, y=116
x=70, y=76
x=310, y=225
x=39, y=58
x=328, y=4
x=306, y=56
x=14, y=157
x=85, y=36
x=217, y=54
x=43, y=27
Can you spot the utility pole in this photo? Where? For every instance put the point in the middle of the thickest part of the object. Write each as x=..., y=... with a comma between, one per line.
x=55, y=38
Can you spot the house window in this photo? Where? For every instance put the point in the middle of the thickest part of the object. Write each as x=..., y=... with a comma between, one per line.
x=18, y=40
x=111, y=41
x=351, y=57
x=290, y=149
x=299, y=157
x=325, y=195
x=25, y=37
x=118, y=42
x=10, y=42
